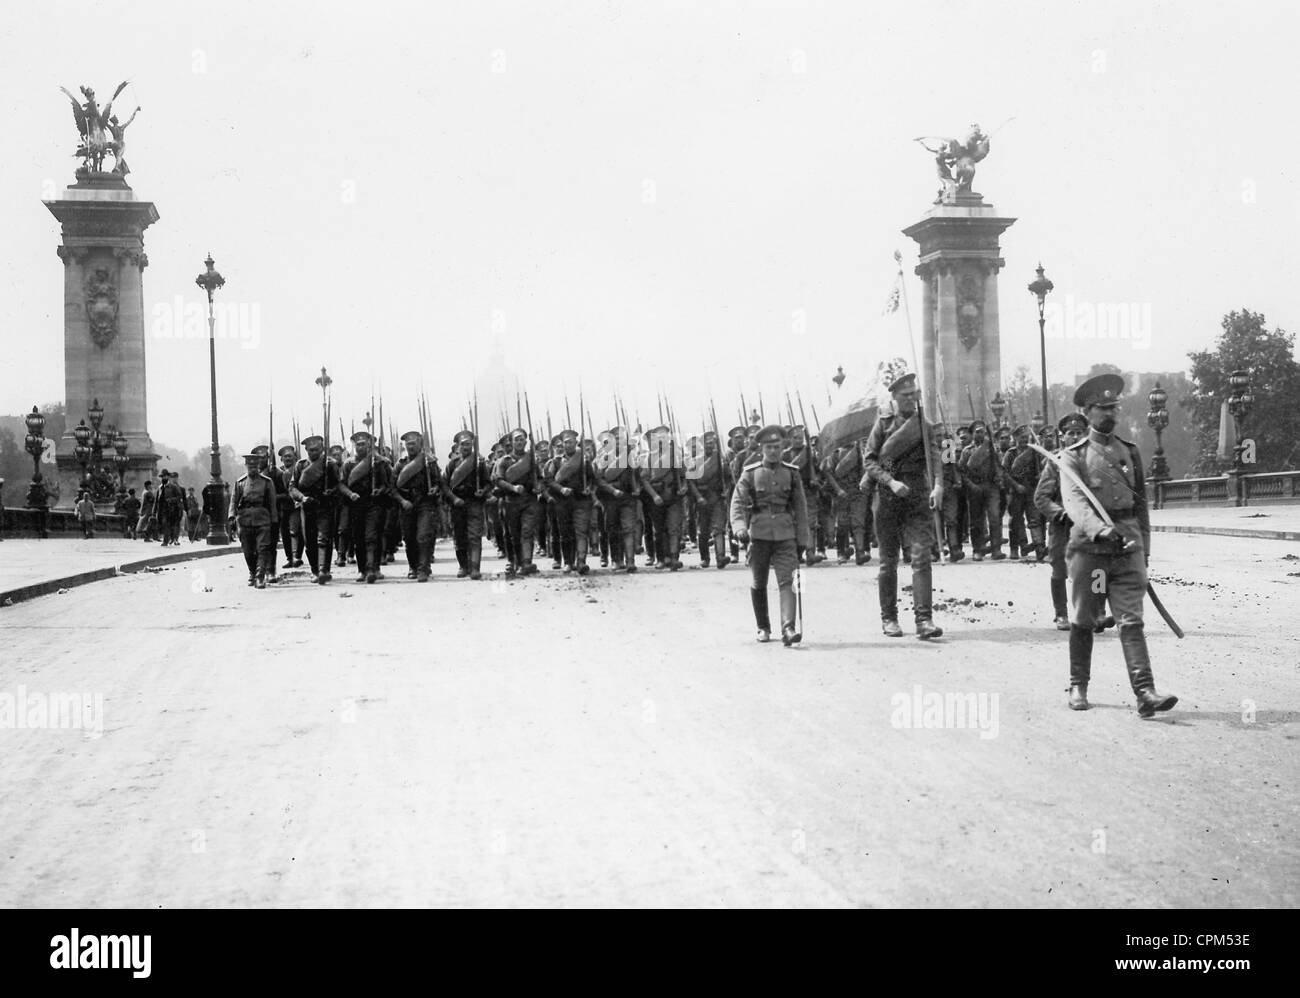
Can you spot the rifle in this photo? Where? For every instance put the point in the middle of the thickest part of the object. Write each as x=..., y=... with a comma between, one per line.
x=971, y=402
x=812, y=454
x=532, y=447
x=474, y=430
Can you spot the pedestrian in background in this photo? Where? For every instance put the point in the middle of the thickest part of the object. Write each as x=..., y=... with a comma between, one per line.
x=86, y=515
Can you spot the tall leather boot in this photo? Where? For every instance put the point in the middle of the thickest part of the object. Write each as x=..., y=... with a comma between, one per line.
x=1059, y=611
x=1080, y=666
x=887, y=586
x=1133, y=639
x=789, y=633
x=1039, y=534
x=720, y=550
x=759, y=598
x=861, y=547
x=475, y=557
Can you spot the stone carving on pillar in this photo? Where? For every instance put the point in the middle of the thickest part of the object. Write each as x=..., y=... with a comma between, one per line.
x=101, y=305
x=72, y=254
x=970, y=310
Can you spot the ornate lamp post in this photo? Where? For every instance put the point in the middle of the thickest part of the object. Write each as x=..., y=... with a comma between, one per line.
x=120, y=460
x=215, y=492
x=1039, y=289
x=839, y=378
x=1158, y=419
x=36, y=495
x=1239, y=404
x=999, y=406
x=81, y=451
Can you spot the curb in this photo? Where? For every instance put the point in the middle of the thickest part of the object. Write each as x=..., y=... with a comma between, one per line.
x=1268, y=535
x=24, y=593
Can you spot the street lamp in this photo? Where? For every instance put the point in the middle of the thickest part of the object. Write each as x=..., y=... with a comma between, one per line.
x=215, y=492
x=1239, y=404
x=36, y=495
x=1039, y=289
x=839, y=377
x=1158, y=419
x=81, y=451
x=120, y=460
x=999, y=406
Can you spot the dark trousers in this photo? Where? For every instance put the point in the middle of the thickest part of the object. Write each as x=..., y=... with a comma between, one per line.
x=907, y=521
x=575, y=529
x=292, y=550
x=318, y=535
x=365, y=523
x=712, y=521
x=620, y=523
x=667, y=530
x=783, y=558
x=467, y=533
x=343, y=531
x=521, y=529
x=258, y=544
x=985, y=517
x=648, y=525
x=419, y=527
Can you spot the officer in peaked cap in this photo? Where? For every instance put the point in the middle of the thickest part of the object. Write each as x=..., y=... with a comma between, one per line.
x=1117, y=551
x=252, y=509
x=895, y=458
x=769, y=506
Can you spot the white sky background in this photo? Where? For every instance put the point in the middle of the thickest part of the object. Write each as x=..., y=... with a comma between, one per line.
x=1152, y=159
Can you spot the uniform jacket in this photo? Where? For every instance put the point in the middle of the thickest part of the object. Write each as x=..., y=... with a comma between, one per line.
x=413, y=484
x=908, y=466
x=1047, y=493
x=462, y=479
x=769, y=502
x=317, y=480
x=1112, y=468
x=252, y=501
x=980, y=464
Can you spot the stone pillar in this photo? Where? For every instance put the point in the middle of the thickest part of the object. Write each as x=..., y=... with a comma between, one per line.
x=959, y=263
x=103, y=319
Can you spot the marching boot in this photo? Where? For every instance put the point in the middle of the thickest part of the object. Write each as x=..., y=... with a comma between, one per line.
x=1080, y=666
x=475, y=558
x=759, y=598
x=1062, y=615
x=720, y=551
x=927, y=629
x=841, y=546
x=955, y=553
x=1133, y=639
x=862, y=547
x=1040, y=542
x=789, y=635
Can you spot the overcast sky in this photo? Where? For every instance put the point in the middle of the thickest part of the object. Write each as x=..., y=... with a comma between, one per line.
x=640, y=195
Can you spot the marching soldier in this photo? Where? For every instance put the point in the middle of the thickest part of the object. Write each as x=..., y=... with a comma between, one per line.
x=418, y=488
x=542, y=457
x=981, y=471
x=770, y=513
x=664, y=481
x=290, y=521
x=895, y=460
x=1047, y=500
x=315, y=488
x=514, y=479
x=707, y=486
x=465, y=486
x=171, y=503
x=281, y=501
x=342, y=514
x=853, y=519
x=619, y=483
x=252, y=510
x=554, y=536
x=367, y=481
x=954, y=499
x=800, y=454
x=1118, y=554
x=735, y=465
x=1024, y=470
x=574, y=485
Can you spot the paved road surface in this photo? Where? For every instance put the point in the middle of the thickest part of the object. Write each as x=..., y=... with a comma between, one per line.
x=622, y=741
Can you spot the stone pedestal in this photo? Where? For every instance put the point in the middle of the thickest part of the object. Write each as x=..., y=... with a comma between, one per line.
x=960, y=260
x=103, y=319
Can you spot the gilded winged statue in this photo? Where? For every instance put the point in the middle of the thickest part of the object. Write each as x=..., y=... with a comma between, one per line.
x=101, y=132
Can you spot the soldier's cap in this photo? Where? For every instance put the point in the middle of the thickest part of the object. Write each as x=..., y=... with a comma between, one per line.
x=656, y=431
x=752, y=430
x=517, y=432
x=798, y=428
x=410, y=435
x=335, y=447
x=736, y=433
x=262, y=450
x=1103, y=390
x=708, y=435
x=772, y=434
x=360, y=435
x=976, y=422
x=164, y=473
x=568, y=435
x=1072, y=420
x=905, y=383
x=288, y=450
x=964, y=428
x=252, y=457
x=462, y=436
x=1022, y=428
x=557, y=440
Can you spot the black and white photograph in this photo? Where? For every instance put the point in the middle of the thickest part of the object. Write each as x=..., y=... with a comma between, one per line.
x=726, y=455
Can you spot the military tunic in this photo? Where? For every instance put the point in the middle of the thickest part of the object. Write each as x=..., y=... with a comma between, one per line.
x=769, y=503
x=253, y=510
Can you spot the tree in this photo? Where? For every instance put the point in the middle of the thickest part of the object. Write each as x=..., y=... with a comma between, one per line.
x=1274, y=421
